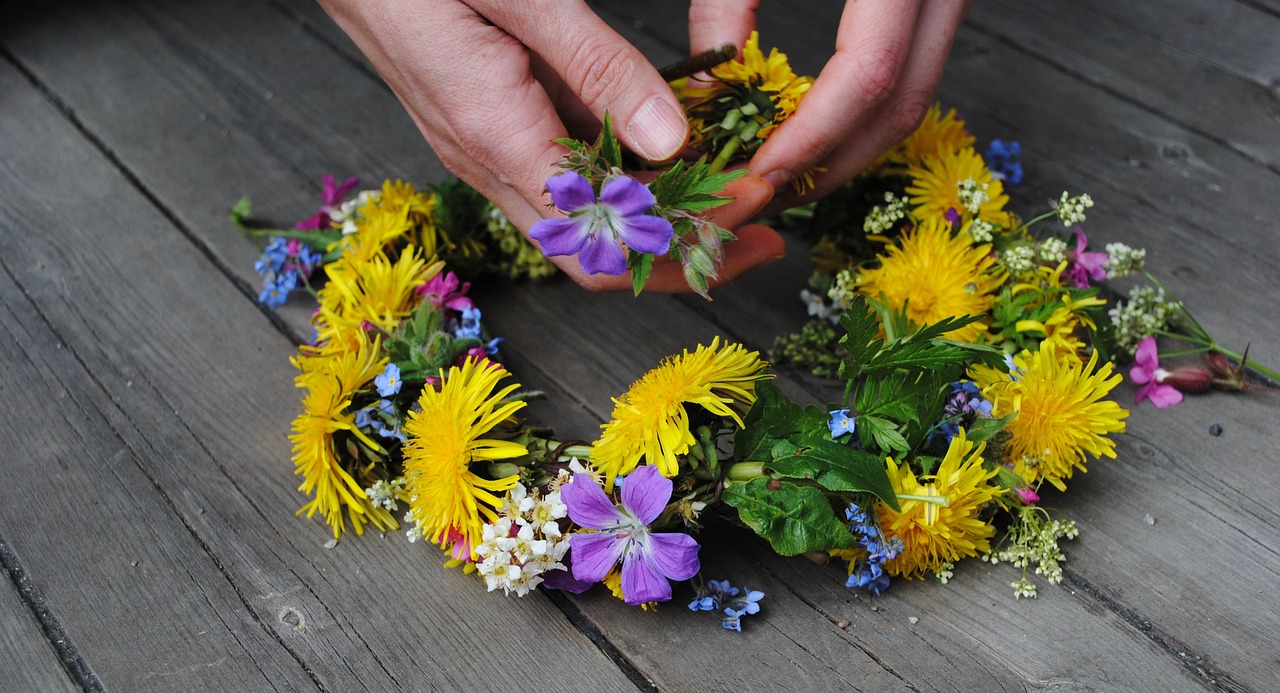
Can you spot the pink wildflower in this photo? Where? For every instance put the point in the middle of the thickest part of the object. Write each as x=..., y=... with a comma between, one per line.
x=330, y=200
x=1147, y=372
x=1085, y=265
x=445, y=291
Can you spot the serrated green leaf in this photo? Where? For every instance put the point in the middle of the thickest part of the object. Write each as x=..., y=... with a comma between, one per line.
x=794, y=519
x=836, y=467
x=576, y=145
x=861, y=340
x=610, y=150
x=692, y=187
x=898, y=395
x=882, y=433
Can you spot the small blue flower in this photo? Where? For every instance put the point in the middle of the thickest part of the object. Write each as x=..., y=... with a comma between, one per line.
x=748, y=603
x=273, y=295
x=469, y=324
x=388, y=383
x=363, y=419
x=732, y=622
x=1003, y=160
x=841, y=423
x=492, y=347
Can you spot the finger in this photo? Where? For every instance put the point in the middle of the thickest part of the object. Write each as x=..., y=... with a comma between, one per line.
x=606, y=72
x=891, y=121
x=872, y=46
x=713, y=23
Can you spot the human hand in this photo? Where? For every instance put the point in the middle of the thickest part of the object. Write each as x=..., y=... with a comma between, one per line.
x=873, y=92
x=490, y=84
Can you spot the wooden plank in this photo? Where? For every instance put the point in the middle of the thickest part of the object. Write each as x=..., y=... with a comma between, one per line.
x=189, y=475
x=1222, y=48
x=28, y=661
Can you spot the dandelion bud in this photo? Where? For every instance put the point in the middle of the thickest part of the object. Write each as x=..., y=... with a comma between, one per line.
x=1188, y=379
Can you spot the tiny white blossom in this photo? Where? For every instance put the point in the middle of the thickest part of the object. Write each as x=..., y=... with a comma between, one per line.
x=881, y=219
x=981, y=230
x=1019, y=258
x=972, y=196
x=1071, y=209
x=1053, y=250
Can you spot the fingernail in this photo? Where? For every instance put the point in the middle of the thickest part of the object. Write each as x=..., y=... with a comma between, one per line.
x=658, y=130
x=778, y=179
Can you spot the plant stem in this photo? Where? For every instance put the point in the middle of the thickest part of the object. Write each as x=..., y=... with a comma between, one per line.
x=722, y=159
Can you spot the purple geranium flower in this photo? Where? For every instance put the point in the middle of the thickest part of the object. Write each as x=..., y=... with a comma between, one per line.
x=594, y=227
x=1147, y=372
x=1085, y=265
x=648, y=559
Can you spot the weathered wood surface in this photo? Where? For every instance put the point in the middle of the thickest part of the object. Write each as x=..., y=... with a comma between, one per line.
x=146, y=488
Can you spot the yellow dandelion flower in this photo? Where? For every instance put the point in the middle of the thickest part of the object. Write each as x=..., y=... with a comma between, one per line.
x=450, y=502
x=933, y=532
x=935, y=187
x=330, y=384
x=937, y=133
x=650, y=419
x=1061, y=413
x=397, y=212
x=933, y=274
x=766, y=85
x=378, y=291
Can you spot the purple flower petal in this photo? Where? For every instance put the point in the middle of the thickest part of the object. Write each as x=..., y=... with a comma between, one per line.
x=571, y=191
x=646, y=493
x=674, y=554
x=588, y=505
x=641, y=581
x=559, y=236
x=646, y=233
x=626, y=195
x=564, y=580
x=594, y=555
x=601, y=255
x=1161, y=395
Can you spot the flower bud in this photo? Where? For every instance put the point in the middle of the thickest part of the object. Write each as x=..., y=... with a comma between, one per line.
x=1219, y=365
x=1188, y=379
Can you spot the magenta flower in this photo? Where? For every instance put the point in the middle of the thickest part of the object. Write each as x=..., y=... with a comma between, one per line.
x=1027, y=495
x=649, y=559
x=1085, y=265
x=1147, y=372
x=330, y=200
x=446, y=291
x=595, y=227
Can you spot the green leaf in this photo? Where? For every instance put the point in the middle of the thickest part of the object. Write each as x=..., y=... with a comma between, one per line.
x=692, y=188
x=795, y=519
x=772, y=418
x=641, y=264
x=983, y=429
x=836, y=467
x=873, y=430
x=861, y=340
x=607, y=145
x=576, y=145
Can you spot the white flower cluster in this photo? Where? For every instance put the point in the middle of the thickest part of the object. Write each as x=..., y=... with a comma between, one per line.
x=981, y=230
x=1123, y=260
x=972, y=195
x=1071, y=209
x=1019, y=258
x=524, y=543
x=386, y=493
x=881, y=219
x=1052, y=250
x=1034, y=538
x=345, y=215
x=945, y=572
x=842, y=290
x=1146, y=312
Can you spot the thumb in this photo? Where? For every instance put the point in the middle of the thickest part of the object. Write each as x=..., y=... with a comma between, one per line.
x=606, y=72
